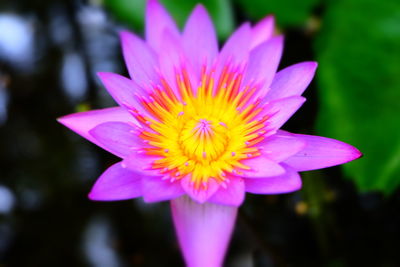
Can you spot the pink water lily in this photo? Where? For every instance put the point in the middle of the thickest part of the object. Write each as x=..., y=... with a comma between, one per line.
x=201, y=126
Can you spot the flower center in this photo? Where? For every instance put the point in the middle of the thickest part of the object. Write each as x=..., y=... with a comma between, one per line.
x=203, y=140
x=203, y=133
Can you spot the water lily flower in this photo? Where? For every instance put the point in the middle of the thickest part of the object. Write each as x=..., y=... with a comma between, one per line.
x=200, y=126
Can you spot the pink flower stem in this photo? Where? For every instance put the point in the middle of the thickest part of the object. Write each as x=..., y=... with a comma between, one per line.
x=203, y=230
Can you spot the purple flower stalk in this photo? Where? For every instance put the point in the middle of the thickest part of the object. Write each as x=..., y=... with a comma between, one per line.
x=201, y=126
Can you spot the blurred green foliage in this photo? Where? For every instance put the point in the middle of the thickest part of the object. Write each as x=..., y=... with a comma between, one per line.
x=287, y=12
x=131, y=12
x=359, y=86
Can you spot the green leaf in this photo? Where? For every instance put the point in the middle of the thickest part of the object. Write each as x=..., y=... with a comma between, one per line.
x=359, y=87
x=287, y=12
x=131, y=12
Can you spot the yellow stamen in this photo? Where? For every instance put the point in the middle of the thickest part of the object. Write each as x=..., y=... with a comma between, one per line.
x=204, y=133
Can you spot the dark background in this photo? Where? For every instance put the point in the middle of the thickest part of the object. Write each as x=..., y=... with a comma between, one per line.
x=49, y=54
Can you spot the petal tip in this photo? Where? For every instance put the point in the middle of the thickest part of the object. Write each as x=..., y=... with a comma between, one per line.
x=200, y=12
x=152, y=3
x=312, y=65
x=200, y=8
x=126, y=35
x=269, y=18
x=322, y=152
x=95, y=196
x=357, y=154
x=102, y=75
x=66, y=120
x=92, y=196
x=352, y=153
x=61, y=120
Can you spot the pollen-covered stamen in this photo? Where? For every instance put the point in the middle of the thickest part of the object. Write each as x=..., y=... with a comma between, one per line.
x=203, y=140
x=204, y=126
x=203, y=132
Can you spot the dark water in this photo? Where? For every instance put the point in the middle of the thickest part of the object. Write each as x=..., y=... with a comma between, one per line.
x=49, y=54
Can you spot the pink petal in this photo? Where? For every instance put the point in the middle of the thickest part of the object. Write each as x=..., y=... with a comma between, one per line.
x=173, y=62
x=118, y=137
x=232, y=194
x=139, y=162
x=157, y=21
x=262, y=31
x=263, y=63
x=204, y=231
x=116, y=183
x=171, y=59
x=140, y=59
x=281, y=146
x=261, y=167
x=155, y=189
x=199, y=39
x=236, y=49
x=83, y=122
x=280, y=110
x=292, y=80
x=321, y=152
x=288, y=182
x=124, y=91
x=200, y=195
